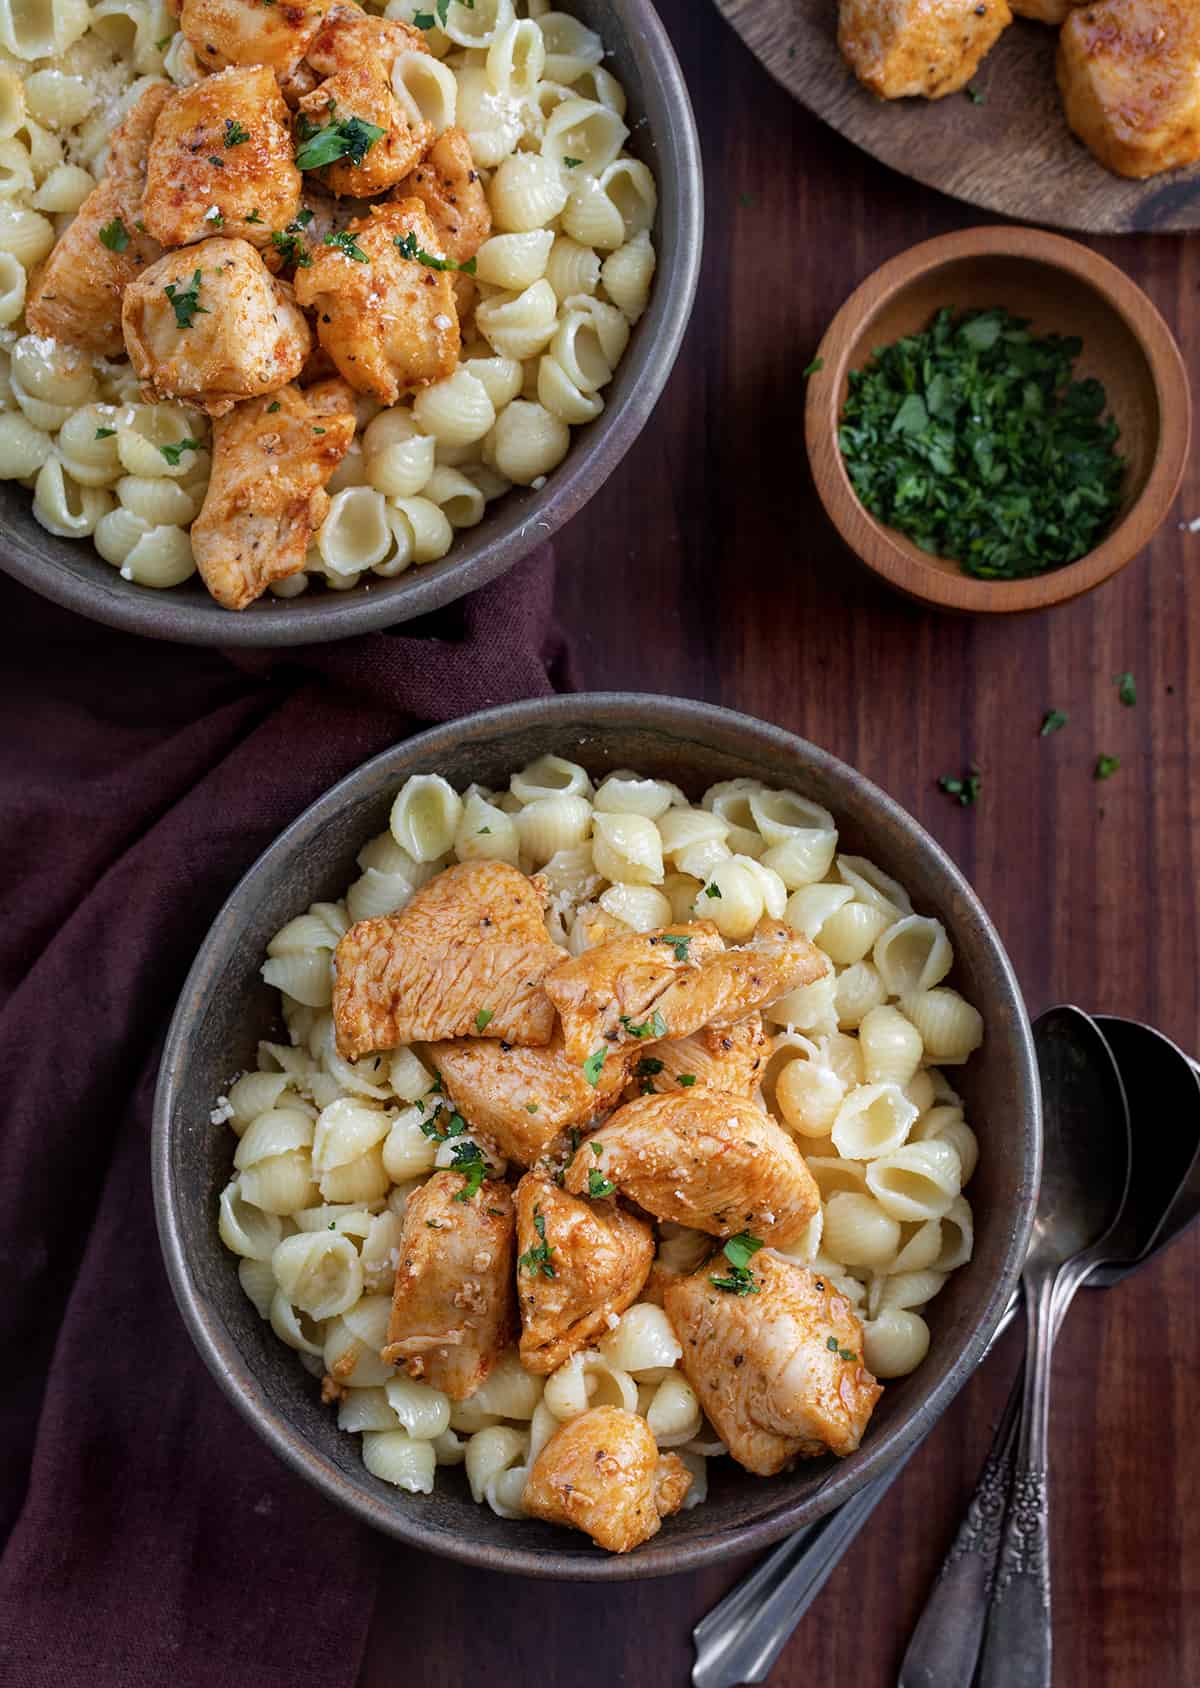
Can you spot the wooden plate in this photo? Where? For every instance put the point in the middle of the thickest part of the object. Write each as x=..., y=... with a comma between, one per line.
x=1014, y=154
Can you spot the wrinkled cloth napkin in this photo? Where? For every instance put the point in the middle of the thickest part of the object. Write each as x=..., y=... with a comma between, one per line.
x=150, y=1539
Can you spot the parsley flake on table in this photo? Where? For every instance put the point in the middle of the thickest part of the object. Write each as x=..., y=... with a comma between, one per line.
x=975, y=97
x=739, y=1251
x=1106, y=767
x=114, y=235
x=537, y=1259
x=963, y=789
x=484, y=1019
x=173, y=453
x=350, y=138
x=814, y=368
x=1053, y=721
x=234, y=133
x=655, y=1026
x=1126, y=689
x=598, y=1185
x=593, y=1064
x=408, y=247
x=974, y=439
x=185, y=302
x=467, y=1158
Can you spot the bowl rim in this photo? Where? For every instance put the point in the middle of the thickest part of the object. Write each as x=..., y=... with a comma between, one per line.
x=528, y=521
x=886, y=552
x=700, y=723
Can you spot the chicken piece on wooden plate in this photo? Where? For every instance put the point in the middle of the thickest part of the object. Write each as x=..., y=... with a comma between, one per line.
x=76, y=294
x=271, y=459
x=523, y=1098
x=388, y=321
x=602, y=1473
x=777, y=1364
x=210, y=324
x=731, y=1060
x=453, y=1307
x=644, y=987
x=1129, y=71
x=221, y=161
x=467, y=955
x=355, y=136
x=899, y=48
x=711, y=1162
x=579, y=1264
x=348, y=36
x=224, y=32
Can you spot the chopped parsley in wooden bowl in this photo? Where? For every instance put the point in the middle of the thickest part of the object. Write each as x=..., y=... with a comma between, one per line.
x=998, y=420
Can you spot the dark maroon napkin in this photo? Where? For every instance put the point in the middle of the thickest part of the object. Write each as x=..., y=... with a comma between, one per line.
x=151, y=1540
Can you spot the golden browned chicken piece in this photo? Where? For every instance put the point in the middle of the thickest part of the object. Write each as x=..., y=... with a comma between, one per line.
x=713, y=1162
x=210, y=324
x=350, y=36
x=250, y=32
x=453, y=1308
x=523, y=1098
x=347, y=157
x=731, y=1060
x=1045, y=11
x=271, y=459
x=646, y=986
x=447, y=184
x=389, y=322
x=1129, y=71
x=221, y=161
x=778, y=1370
x=76, y=294
x=578, y=1262
x=603, y=1474
x=898, y=48
x=467, y=955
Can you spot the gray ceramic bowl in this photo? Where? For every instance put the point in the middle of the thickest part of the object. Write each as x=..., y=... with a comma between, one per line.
x=663, y=135
x=225, y=1008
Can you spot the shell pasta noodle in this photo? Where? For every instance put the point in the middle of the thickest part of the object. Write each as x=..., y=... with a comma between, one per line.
x=481, y=154
x=469, y=1178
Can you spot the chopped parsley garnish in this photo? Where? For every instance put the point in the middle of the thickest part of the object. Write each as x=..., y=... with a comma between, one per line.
x=217, y=163
x=655, y=1026
x=185, y=302
x=835, y=1347
x=974, y=439
x=114, y=235
x=173, y=453
x=531, y=1107
x=1053, y=721
x=712, y=890
x=271, y=409
x=593, y=1064
x=648, y=1066
x=105, y=433
x=687, y=1080
x=598, y=1185
x=678, y=944
x=975, y=97
x=482, y=830
x=963, y=789
x=739, y=1251
x=234, y=133
x=350, y=138
x=467, y=1158
x=455, y=1125
x=318, y=430
x=537, y=1259
x=213, y=216
x=291, y=248
x=253, y=216
x=426, y=20
x=346, y=244
x=572, y=163
x=163, y=41
x=1126, y=689
x=1106, y=767
x=484, y=1018
x=597, y=1149
x=814, y=368
x=408, y=247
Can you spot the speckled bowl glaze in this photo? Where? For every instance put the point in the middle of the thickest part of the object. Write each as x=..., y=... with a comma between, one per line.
x=225, y=1008
x=663, y=135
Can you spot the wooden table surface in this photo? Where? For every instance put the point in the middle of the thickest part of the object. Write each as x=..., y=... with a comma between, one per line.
x=706, y=568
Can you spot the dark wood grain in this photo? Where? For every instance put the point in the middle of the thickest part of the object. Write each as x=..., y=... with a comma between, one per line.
x=1011, y=151
x=707, y=568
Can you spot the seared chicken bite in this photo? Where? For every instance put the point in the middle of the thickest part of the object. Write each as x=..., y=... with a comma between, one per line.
x=1129, y=71
x=648, y=986
x=210, y=324
x=898, y=48
x=578, y=1262
x=731, y=1060
x=523, y=1098
x=349, y=36
x=76, y=294
x=354, y=134
x=387, y=320
x=712, y=1162
x=453, y=1309
x=603, y=1474
x=249, y=32
x=221, y=161
x=271, y=459
x=467, y=955
x=779, y=1372
x=448, y=186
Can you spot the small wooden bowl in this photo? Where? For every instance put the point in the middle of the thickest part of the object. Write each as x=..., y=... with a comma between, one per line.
x=1062, y=288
